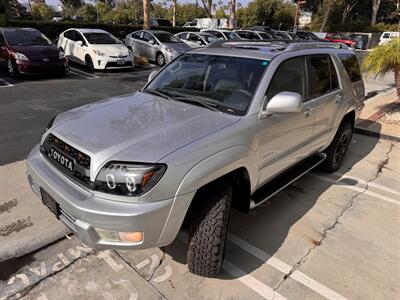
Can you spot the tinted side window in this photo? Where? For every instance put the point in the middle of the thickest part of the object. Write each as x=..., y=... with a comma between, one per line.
x=147, y=37
x=290, y=76
x=136, y=35
x=319, y=75
x=334, y=76
x=69, y=35
x=350, y=63
x=386, y=35
x=218, y=34
x=194, y=38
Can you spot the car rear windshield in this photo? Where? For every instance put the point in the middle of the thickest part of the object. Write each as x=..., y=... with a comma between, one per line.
x=26, y=38
x=223, y=82
x=100, y=38
x=165, y=37
x=231, y=35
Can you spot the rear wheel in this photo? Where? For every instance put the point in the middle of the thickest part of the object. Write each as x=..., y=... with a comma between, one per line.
x=208, y=227
x=12, y=70
x=337, y=149
x=89, y=63
x=160, y=59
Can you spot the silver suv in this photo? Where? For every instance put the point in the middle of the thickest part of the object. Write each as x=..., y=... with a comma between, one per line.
x=223, y=126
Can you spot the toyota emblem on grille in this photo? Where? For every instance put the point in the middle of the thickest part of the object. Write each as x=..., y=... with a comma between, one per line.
x=46, y=60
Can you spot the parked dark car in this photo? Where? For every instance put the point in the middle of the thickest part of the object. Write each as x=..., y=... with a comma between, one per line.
x=28, y=51
x=306, y=35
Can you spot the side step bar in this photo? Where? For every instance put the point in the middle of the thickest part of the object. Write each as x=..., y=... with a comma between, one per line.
x=286, y=178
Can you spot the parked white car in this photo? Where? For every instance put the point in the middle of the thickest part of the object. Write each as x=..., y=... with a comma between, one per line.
x=95, y=48
x=196, y=39
x=222, y=34
x=388, y=36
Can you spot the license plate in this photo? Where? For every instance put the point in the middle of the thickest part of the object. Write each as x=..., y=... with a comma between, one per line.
x=120, y=62
x=62, y=159
x=50, y=203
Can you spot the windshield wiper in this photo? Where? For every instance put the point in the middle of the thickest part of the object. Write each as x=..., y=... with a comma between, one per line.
x=198, y=100
x=158, y=93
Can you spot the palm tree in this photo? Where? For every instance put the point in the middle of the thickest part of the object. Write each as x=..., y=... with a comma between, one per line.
x=146, y=18
x=384, y=59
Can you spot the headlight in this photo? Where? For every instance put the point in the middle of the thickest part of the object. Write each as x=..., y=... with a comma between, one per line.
x=128, y=179
x=99, y=53
x=171, y=50
x=20, y=56
x=61, y=55
x=50, y=124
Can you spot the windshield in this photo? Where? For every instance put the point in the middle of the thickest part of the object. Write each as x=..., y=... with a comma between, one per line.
x=166, y=37
x=231, y=35
x=22, y=37
x=98, y=38
x=225, y=83
x=209, y=38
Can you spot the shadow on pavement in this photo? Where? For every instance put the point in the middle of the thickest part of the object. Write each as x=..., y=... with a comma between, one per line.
x=267, y=227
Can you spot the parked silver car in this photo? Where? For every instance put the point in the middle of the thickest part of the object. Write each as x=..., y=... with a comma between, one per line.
x=196, y=39
x=221, y=126
x=222, y=34
x=157, y=46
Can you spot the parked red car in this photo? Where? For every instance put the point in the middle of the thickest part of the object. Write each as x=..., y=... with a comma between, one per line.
x=28, y=51
x=340, y=38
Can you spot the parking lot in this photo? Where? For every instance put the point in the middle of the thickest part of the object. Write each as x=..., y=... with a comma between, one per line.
x=324, y=237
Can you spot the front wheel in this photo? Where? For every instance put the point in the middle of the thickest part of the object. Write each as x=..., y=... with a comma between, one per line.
x=160, y=59
x=89, y=64
x=12, y=70
x=208, y=227
x=336, y=151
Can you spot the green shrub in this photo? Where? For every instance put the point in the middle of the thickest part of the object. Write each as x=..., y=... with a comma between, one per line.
x=3, y=21
x=53, y=29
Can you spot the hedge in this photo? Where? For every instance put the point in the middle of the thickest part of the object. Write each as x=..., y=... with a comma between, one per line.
x=3, y=21
x=53, y=29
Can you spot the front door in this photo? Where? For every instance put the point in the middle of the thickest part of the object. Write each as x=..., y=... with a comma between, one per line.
x=284, y=139
x=150, y=46
x=79, y=50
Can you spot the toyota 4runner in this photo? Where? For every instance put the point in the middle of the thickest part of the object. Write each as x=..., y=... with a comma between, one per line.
x=228, y=125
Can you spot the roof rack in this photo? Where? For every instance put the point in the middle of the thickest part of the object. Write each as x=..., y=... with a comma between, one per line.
x=275, y=45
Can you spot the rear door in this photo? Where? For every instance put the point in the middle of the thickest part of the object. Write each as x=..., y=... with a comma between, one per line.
x=327, y=94
x=68, y=43
x=136, y=44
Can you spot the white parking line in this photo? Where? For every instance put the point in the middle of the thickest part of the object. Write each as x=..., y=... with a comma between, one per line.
x=7, y=84
x=83, y=73
x=285, y=268
x=356, y=188
x=254, y=284
x=371, y=184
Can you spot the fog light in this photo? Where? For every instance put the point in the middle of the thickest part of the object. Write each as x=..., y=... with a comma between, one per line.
x=116, y=236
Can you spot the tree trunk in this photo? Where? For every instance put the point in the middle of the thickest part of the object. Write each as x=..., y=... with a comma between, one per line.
x=327, y=6
x=146, y=20
x=375, y=8
x=232, y=17
x=173, y=13
x=397, y=80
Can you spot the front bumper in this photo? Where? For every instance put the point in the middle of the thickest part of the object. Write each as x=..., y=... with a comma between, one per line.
x=35, y=67
x=110, y=63
x=83, y=212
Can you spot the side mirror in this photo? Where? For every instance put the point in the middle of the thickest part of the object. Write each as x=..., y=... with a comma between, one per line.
x=284, y=103
x=79, y=43
x=199, y=43
x=151, y=42
x=152, y=75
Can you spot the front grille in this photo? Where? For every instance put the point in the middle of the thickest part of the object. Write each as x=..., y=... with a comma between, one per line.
x=81, y=173
x=67, y=219
x=125, y=56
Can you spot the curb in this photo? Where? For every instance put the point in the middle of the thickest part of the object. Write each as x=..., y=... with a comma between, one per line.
x=375, y=134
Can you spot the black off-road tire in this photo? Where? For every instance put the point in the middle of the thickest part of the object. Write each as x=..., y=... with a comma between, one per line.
x=208, y=227
x=336, y=151
x=89, y=64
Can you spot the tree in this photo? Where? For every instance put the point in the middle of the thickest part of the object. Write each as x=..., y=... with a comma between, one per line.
x=232, y=15
x=42, y=11
x=146, y=17
x=173, y=13
x=207, y=5
x=185, y=13
x=375, y=8
x=327, y=9
x=88, y=12
x=384, y=59
x=75, y=4
x=348, y=6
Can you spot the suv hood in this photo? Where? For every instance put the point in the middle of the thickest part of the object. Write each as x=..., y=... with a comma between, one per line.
x=136, y=128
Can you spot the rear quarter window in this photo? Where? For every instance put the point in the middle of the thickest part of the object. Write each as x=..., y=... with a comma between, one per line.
x=350, y=63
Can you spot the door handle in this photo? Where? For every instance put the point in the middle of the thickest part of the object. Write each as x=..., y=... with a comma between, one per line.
x=308, y=112
x=338, y=98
